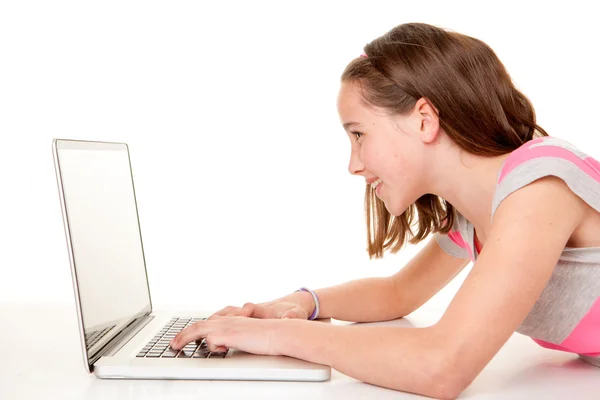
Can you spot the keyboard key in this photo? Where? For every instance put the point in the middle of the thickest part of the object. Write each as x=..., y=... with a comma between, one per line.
x=162, y=339
x=201, y=352
x=217, y=355
x=185, y=354
x=169, y=354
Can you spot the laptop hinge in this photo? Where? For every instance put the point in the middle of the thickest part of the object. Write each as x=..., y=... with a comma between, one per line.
x=118, y=341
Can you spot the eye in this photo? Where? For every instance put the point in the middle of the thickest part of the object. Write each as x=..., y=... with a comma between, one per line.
x=357, y=134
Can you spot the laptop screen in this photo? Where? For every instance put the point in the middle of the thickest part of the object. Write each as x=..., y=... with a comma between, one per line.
x=106, y=243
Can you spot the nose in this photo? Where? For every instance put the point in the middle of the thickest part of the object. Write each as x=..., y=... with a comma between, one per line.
x=356, y=165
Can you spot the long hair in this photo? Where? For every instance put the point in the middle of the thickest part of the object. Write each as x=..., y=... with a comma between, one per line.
x=478, y=107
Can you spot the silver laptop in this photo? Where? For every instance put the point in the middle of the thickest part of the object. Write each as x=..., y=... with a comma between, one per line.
x=120, y=335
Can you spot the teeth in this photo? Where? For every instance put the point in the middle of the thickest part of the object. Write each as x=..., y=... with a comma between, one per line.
x=376, y=183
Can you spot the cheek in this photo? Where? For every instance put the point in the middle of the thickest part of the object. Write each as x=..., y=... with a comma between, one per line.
x=383, y=162
x=372, y=156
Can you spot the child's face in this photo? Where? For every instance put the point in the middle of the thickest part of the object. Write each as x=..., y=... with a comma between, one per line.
x=386, y=149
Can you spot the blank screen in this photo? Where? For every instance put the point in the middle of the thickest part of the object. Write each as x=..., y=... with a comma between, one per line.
x=105, y=236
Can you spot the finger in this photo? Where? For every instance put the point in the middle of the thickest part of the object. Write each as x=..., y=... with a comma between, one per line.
x=219, y=349
x=289, y=314
x=260, y=311
x=224, y=311
x=296, y=312
x=252, y=310
x=233, y=311
x=197, y=331
x=247, y=310
x=216, y=343
x=217, y=317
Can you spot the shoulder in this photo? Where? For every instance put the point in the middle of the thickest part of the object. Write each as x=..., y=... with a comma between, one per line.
x=543, y=150
x=549, y=157
x=546, y=206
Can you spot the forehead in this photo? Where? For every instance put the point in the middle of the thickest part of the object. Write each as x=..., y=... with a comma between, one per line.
x=349, y=96
x=350, y=102
x=352, y=107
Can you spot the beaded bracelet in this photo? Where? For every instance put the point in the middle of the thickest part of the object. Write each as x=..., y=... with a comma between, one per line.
x=315, y=313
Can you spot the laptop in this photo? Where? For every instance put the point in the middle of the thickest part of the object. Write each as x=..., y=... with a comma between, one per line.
x=121, y=337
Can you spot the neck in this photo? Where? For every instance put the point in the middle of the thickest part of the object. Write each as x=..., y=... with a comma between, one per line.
x=468, y=182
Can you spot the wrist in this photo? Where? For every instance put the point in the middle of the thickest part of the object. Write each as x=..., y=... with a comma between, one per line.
x=307, y=302
x=282, y=339
x=315, y=303
x=287, y=333
x=302, y=299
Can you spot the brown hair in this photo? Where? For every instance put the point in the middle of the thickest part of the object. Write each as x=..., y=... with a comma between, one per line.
x=478, y=106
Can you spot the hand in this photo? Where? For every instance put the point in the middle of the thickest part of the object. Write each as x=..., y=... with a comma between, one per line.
x=296, y=305
x=242, y=333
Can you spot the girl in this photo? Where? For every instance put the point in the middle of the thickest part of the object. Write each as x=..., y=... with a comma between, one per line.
x=445, y=141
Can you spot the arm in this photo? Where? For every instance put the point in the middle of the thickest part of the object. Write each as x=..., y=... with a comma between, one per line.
x=387, y=298
x=527, y=237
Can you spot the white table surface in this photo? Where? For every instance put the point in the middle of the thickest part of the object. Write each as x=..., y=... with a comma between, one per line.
x=41, y=359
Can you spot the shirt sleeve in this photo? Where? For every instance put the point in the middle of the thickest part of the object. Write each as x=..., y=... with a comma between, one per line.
x=450, y=247
x=455, y=242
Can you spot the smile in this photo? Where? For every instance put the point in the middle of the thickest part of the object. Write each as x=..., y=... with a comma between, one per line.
x=375, y=183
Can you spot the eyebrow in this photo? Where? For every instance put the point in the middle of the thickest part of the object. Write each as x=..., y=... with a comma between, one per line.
x=349, y=124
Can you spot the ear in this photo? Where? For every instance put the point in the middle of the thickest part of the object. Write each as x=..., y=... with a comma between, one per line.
x=427, y=119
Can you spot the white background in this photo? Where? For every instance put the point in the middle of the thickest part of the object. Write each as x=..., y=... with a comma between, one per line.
x=239, y=158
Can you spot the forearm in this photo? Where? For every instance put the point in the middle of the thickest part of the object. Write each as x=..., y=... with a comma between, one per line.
x=405, y=359
x=362, y=300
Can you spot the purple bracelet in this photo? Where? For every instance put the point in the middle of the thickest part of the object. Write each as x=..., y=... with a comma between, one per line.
x=315, y=312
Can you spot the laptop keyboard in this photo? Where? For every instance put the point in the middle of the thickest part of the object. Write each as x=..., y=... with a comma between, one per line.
x=158, y=347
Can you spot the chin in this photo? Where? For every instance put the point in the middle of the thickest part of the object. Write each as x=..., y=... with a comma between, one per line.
x=396, y=211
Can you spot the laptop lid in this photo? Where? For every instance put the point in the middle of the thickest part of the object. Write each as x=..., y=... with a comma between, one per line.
x=104, y=241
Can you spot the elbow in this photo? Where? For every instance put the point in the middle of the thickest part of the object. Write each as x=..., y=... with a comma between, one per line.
x=448, y=378
x=446, y=386
x=446, y=389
